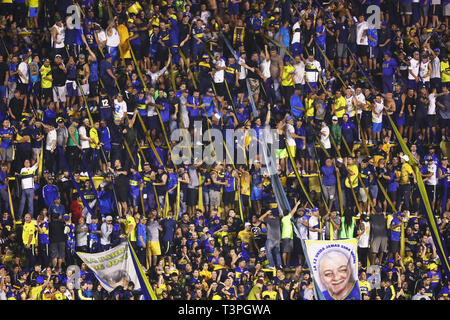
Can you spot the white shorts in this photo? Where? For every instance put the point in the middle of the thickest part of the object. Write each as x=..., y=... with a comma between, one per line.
x=61, y=92
x=85, y=88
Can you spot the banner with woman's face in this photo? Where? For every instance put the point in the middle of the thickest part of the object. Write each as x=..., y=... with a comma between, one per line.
x=334, y=268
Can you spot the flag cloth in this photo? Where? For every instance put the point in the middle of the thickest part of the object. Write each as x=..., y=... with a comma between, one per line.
x=334, y=268
x=111, y=267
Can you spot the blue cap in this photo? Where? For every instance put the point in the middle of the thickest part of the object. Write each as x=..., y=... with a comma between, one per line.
x=384, y=23
x=388, y=53
x=40, y=280
x=161, y=167
x=391, y=260
x=289, y=118
x=437, y=50
x=66, y=217
x=315, y=209
x=216, y=218
x=286, y=58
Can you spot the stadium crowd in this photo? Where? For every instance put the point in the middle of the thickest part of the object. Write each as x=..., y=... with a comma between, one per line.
x=89, y=104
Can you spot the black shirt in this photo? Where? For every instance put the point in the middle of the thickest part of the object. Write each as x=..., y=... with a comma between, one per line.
x=251, y=74
x=59, y=77
x=56, y=231
x=3, y=70
x=16, y=106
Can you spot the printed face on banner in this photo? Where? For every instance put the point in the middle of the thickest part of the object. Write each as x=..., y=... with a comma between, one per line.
x=334, y=268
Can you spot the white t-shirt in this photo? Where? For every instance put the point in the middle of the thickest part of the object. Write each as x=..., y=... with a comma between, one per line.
x=265, y=68
x=220, y=73
x=360, y=39
x=363, y=241
x=290, y=141
x=60, y=36
x=83, y=133
x=423, y=70
x=361, y=98
x=51, y=138
x=204, y=15
x=379, y=109
x=431, y=104
x=101, y=35
x=299, y=75
x=414, y=66
x=433, y=179
x=313, y=221
x=23, y=67
x=28, y=180
x=325, y=139
x=114, y=39
x=436, y=68
x=119, y=108
x=350, y=108
x=296, y=36
x=242, y=71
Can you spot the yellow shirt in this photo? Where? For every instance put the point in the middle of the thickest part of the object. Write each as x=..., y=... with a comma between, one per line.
x=130, y=221
x=272, y=295
x=124, y=44
x=247, y=236
x=286, y=79
x=93, y=133
x=309, y=108
x=339, y=103
x=354, y=178
x=445, y=66
x=33, y=3
x=406, y=171
x=29, y=228
x=59, y=296
x=35, y=292
x=245, y=185
x=45, y=72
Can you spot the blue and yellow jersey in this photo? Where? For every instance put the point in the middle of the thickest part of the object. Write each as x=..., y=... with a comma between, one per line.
x=43, y=233
x=69, y=231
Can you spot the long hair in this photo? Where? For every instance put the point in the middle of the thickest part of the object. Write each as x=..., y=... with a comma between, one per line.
x=348, y=218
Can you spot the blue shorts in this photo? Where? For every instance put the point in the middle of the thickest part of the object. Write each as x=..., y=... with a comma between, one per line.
x=114, y=52
x=33, y=12
x=376, y=127
x=3, y=91
x=256, y=194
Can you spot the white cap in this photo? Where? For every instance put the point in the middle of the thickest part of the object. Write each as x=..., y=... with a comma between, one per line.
x=405, y=157
x=109, y=218
x=248, y=224
x=339, y=160
x=334, y=118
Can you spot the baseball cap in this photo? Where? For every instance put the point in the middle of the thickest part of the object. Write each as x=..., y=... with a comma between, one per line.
x=248, y=224
x=405, y=157
x=109, y=218
x=289, y=118
x=416, y=52
x=334, y=118
x=102, y=185
x=339, y=160
x=66, y=217
x=429, y=158
x=58, y=56
x=82, y=56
